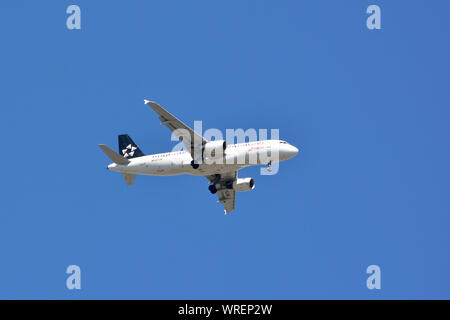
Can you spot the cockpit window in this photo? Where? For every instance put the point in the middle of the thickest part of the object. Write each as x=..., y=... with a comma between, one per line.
x=284, y=142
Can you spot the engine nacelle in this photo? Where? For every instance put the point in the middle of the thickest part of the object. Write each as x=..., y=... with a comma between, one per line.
x=214, y=149
x=244, y=184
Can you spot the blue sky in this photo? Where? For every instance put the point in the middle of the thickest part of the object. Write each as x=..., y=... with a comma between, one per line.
x=369, y=111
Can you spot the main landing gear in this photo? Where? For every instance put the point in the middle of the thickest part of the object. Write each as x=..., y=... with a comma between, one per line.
x=212, y=188
x=194, y=164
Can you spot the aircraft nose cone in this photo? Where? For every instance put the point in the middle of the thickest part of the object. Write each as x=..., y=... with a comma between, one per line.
x=288, y=151
x=293, y=151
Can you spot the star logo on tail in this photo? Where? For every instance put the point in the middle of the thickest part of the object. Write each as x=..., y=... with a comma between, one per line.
x=128, y=151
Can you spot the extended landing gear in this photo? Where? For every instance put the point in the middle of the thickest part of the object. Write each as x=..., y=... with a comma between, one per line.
x=269, y=166
x=194, y=164
x=212, y=188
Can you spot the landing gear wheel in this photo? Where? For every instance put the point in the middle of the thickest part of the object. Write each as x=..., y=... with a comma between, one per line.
x=194, y=164
x=212, y=188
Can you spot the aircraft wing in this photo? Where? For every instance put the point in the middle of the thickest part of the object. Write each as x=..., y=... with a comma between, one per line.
x=191, y=140
x=226, y=196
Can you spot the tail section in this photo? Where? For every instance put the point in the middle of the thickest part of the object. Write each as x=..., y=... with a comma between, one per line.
x=114, y=156
x=129, y=178
x=128, y=148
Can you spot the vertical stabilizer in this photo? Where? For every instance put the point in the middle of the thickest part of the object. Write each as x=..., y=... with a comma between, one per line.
x=128, y=148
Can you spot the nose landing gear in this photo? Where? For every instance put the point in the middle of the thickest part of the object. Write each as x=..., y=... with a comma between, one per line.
x=269, y=166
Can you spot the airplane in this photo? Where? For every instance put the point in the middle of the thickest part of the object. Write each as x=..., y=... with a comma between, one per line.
x=216, y=160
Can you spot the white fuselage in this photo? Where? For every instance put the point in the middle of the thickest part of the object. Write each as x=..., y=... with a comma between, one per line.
x=237, y=156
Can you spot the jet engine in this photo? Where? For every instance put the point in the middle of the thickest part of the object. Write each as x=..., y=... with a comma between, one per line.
x=244, y=184
x=214, y=149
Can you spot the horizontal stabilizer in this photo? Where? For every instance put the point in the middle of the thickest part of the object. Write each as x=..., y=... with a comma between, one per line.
x=129, y=178
x=114, y=156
